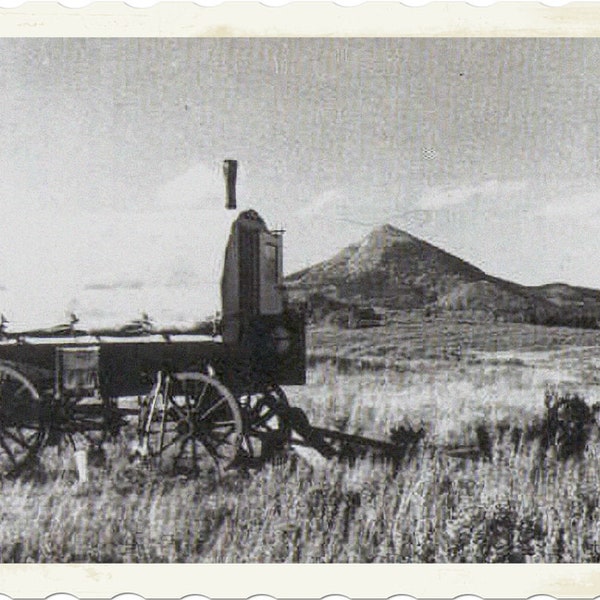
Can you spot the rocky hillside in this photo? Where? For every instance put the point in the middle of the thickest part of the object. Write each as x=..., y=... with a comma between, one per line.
x=394, y=270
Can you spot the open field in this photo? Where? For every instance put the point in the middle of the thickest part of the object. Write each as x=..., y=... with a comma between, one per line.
x=521, y=506
x=411, y=336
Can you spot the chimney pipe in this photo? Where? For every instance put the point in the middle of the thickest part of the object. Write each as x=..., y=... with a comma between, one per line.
x=230, y=172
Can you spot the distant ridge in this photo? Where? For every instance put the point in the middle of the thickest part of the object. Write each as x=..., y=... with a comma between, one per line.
x=393, y=269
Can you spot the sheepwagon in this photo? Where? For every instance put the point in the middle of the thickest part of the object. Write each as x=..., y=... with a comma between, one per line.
x=197, y=397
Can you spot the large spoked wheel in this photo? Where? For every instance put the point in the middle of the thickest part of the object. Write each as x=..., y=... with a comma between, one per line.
x=267, y=431
x=22, y=428
x=200, y=425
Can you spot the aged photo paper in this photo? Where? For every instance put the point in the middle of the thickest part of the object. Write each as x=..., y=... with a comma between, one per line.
x=300, y=301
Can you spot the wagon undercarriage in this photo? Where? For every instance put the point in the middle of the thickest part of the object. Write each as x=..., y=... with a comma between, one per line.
x=189, y=421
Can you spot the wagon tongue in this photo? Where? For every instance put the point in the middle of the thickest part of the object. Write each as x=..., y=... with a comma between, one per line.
x=331, y=443
x=300, y=424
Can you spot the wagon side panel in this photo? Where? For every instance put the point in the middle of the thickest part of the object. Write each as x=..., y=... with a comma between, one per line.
x=129, y=369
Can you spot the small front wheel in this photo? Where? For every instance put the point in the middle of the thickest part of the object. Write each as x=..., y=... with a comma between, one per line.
x=267, y=431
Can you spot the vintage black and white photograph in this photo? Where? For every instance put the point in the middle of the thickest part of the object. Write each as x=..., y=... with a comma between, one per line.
x=300, y=300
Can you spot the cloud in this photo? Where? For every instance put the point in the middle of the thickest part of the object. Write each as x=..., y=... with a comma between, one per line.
x=115, y=285
x=572, y=205
x=328, y=202
x=439, y=198
x=323, y=226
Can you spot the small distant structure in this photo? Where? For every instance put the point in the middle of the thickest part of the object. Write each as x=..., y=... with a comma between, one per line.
x=364, y=316
x=345, y=313
x=73, y=320
x=230, y=168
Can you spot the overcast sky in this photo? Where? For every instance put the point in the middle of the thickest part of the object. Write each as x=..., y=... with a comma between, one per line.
x=111, y=160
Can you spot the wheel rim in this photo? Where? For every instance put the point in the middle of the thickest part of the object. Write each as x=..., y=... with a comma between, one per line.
x=22, y=429
x=202, y=424
x=266, y=428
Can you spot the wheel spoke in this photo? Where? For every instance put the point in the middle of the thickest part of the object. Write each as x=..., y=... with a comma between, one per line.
x=264, y=431
x=260, y=404
x=178, y=409
x=15, y=438
x=21, y=389
x=21, y=433
x=34, y=440
x=173, y=442
x=222, y=423
x=187, y=397
x=8, y=451
x=221, y=439
x=212, y=448
x=264, y=419
x=186, y=440
x=200, y=400
x=184, y=390
x=230, y=429
x=194, y=452
x=249, y=446
x=203, y=413
x=35, y=434
x=213, y=408
x=265, y=414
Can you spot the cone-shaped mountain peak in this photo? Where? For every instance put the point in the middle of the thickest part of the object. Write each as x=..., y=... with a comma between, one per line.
x=389, y=232
x=388, y=267
x=381, y=239
x=393, y=269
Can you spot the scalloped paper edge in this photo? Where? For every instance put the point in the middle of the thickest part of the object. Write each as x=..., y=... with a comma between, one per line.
x=144, y=4
x=326, y=582
x=131, y=596
x=312, y=18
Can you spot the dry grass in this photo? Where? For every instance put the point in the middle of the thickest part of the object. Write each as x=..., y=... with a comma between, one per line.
x=519, y=507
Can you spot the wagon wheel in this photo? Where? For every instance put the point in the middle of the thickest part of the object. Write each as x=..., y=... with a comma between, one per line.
x=266, y=426
x=22, y=428
x=201, y=424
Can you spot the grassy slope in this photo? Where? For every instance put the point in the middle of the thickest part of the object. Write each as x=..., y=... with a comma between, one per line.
x=411, y=337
